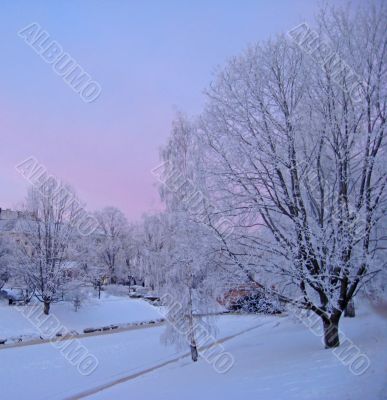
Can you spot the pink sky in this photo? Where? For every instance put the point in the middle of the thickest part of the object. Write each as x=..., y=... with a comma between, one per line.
x=150, y=59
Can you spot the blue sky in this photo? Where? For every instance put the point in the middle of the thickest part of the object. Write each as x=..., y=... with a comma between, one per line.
x=150, y=58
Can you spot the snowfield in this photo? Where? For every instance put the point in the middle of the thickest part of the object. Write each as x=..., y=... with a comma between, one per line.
x=119, y=355
x=94, y=313
x=273, y=362
x=278, y=359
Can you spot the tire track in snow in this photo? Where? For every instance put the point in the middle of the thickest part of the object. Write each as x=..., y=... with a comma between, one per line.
x=100, y=388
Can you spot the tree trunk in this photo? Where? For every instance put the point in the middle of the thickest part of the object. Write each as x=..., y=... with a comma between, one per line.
x=350, y=310
x=331, y=333
x=194, y=349
x=194, y=352
x=47, y=307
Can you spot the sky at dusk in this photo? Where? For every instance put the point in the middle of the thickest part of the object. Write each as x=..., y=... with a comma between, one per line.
x=151, y=58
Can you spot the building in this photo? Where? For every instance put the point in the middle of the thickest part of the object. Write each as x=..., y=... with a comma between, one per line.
x=12, y=225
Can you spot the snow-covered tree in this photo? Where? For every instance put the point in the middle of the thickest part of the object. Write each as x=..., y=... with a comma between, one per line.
x=294, y=157
x=131, y=244
x=189, y=264
x=44, y=257
x=7, y=259
x=113, y=227
x=92, y=270
x=153, y=249
x=189, y=282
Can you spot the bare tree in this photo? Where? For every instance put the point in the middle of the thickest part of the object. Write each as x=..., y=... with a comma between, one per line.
x=153, y=242
x=92, y=271
x=113, y=227
x=131, y=245
x=6, y=259
x=188, y=281
x=189, y=246
x=49, y=229
x=296, y=161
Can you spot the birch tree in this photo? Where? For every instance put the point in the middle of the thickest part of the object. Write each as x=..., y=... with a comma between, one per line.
x=153, y=247
x=189, y=282
x=192, y=248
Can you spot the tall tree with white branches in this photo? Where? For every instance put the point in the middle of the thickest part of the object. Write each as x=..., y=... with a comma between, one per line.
x=294, y=156
x=113, y=227
x=49, y=227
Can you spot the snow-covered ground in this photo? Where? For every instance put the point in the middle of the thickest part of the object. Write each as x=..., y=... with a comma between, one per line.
x=279, y=359
x=46, y=374
x=94, y=313
x=273, y=362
